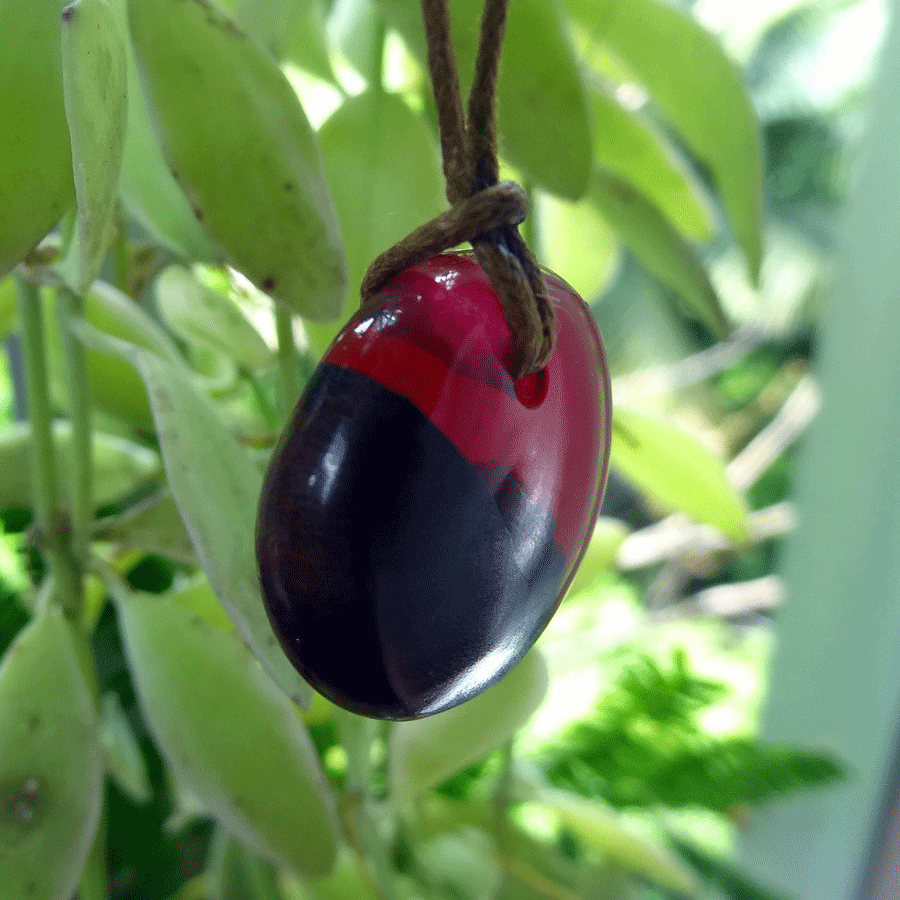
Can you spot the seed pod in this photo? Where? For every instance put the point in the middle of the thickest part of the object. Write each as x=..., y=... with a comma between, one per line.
x=51, y=767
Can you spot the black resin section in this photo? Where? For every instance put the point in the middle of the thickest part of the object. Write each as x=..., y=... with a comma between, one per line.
x=396, y=582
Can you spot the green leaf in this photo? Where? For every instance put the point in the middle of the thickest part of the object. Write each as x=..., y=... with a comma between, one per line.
x=677, y=471
x=461, y=864
x=152, y=526
x=355, y=28
x=241, y=874
x=626, y=143
x=149, y=192
x=94, y=90
x=35, y=157
x=543, y=116
x=384, y=172
x=124, y=760
x=655, y=242
x=700, y=91
x=606, y=833
x=232, y=738
x=217, y=502
x=233, y=130
x=199, y=313
x=289, y=30
x=94, y=884
x=120, y=465
x=51, y=769
x=577, y=242
x=426, y=752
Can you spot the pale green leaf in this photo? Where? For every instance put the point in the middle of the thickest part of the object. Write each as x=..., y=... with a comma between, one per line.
x=629, y=145
x=152, y=526
x=216, y=485
x=655, y=242
x=543, y=117
x=36, y=162
x=233, y=739
x=700, y=91
x=425, y=752
x=94, y=90
x=119, y=465
x=124, y=760
x=149, y=192
x=235, y=134
x=385, y=175
x=51, y=768
x=198, y=313
x=677, y=471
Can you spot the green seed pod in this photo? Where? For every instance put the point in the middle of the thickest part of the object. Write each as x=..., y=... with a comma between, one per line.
x=232, y=738
x=51, y=768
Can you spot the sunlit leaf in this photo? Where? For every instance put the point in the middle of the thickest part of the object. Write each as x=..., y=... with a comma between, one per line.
x=426, y=752
x=209, y=705
x=234, y=131
x=51, y=769
x=678, y=471
x=384, y=171
x=626, y=143
x=94, y=89
x=217, y=501
x=699, y=90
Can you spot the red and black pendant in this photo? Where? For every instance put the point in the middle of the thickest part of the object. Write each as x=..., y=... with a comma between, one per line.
x=423, y=514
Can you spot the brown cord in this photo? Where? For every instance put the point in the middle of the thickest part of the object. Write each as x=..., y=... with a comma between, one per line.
x=482, y=211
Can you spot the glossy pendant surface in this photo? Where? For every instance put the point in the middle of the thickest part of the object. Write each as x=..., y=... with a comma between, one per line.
x=422, y=514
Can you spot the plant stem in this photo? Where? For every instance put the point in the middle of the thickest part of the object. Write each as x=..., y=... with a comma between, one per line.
x=356, y=734
x=288, y=361
x=45, y=479
x=70, y=306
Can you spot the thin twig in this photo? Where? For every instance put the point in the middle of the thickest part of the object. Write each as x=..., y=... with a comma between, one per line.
x=678, y=538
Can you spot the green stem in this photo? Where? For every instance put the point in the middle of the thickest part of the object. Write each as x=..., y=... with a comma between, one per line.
x=45, y=478
x=70, y=307
x=288, y=361
x=356, y=734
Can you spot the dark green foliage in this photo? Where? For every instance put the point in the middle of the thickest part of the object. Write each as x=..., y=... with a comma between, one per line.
x=645, y=748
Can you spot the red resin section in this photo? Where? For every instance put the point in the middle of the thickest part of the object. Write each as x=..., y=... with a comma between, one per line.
x=436, y=335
